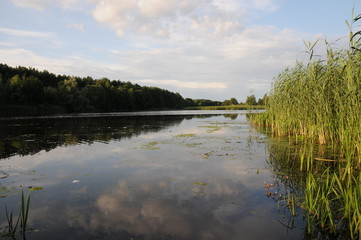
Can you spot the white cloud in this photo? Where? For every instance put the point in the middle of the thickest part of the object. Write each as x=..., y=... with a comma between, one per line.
x=69, y=65
x=79, y=26
x=184, y=84
x=7, y=44
x=36, y=4
x=198, y=69
x=264, y=5
x=167, y=18
x=247, y=61
x=24, y=33
x=42, y=4
x=199, y=48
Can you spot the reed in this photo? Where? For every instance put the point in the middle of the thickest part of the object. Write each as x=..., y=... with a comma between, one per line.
x=318, y=107
x=12, y=228
x=320, y=102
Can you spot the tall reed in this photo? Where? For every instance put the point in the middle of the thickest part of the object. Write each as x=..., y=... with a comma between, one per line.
x=320, y=102
x=318, y=106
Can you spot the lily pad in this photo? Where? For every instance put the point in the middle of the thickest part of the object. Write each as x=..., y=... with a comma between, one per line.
x=201, y=183
x=35, y=188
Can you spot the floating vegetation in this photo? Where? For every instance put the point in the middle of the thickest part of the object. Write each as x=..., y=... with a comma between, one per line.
x=207, y=155
x=193, y=144
x=3, y=175
x=186, y=135
x=35, y=188
x=200, y=183
x=211, y=129
x=150, y=146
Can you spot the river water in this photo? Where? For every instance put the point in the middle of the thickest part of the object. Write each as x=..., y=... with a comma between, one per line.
x=145, y=175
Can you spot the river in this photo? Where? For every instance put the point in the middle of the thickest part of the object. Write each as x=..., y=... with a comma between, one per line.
x=145, y=175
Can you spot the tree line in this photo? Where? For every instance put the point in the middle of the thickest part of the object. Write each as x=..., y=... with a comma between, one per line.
x=30, y=91
x=23, y=86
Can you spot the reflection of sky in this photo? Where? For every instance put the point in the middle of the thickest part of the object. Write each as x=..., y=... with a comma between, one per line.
x=204, y=186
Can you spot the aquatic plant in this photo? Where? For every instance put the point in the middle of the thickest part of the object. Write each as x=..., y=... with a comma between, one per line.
x=318, y=107
x=12, y=228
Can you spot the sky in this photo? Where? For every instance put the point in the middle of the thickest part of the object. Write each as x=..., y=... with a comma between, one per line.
x=210, y=49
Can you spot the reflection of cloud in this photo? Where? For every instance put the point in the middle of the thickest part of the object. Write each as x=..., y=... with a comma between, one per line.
x=149, y=209
x=156, y=208
x=168, y=193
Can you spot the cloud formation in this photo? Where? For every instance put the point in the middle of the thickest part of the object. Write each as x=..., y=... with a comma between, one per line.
x=170, y=18
x=27, y=34
x=199, y=48
x=42, y=4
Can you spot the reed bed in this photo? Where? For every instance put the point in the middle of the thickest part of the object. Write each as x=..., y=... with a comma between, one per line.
x=318, y=106
x=320, y=103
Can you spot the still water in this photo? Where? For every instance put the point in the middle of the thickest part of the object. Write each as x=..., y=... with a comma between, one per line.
x=149, y=175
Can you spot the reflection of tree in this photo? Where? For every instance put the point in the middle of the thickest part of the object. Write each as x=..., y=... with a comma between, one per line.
x=29, y=136
x=231, y=116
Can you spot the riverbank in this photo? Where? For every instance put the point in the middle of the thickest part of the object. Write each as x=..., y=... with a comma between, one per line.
x=228, y=107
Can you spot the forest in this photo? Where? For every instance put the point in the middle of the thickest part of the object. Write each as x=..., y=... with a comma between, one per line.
x=30, y=91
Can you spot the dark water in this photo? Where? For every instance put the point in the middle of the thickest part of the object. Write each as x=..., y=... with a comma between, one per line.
x=164, y=175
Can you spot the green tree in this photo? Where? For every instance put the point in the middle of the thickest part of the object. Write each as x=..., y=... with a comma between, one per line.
x=233, y=101
x=251, y=100
x=263, y=101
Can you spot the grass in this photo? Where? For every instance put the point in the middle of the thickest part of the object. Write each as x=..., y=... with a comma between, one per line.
x=228, y=107
x=318, y=106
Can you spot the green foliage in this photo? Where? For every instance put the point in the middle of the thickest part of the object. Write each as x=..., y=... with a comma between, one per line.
x=263, y=101
x=27, y=87
x=319, y=106
x=200, y=102
x=231, y=101
x=251, y=100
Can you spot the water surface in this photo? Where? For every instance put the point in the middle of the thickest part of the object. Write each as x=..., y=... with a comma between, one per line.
x=149, y=175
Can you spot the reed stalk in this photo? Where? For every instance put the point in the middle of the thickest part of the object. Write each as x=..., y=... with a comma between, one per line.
x=22, y=218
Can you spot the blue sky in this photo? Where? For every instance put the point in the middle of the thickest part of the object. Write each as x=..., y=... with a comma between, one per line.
x=214, y=49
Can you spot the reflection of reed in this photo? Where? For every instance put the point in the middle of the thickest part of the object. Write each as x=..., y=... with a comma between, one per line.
x=12, y=229
x=331, y=205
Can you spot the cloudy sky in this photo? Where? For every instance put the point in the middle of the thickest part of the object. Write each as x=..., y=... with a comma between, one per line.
x=214, y=49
